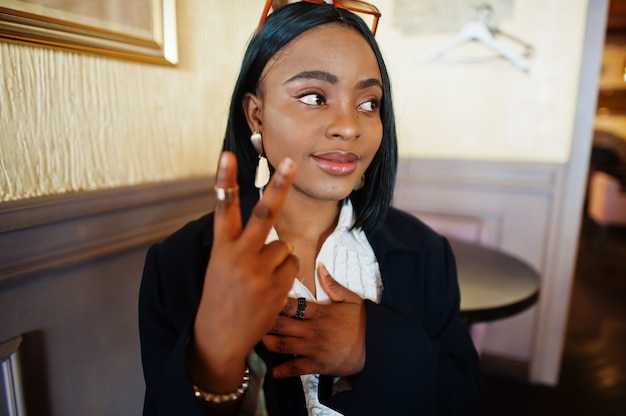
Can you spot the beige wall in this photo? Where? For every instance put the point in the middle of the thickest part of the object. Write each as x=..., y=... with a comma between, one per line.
x=72, y=122
x=488, y=109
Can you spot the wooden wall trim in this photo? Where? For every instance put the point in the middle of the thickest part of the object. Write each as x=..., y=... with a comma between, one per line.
x=43, y=234
x=518, y=176
x=513, y=205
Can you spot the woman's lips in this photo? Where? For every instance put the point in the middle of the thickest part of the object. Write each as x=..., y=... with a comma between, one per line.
x=337, y=163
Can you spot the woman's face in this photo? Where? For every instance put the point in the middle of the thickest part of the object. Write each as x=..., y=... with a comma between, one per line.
x=319, y=105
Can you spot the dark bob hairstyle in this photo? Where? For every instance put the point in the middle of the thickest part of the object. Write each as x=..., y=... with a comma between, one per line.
x=373, y=200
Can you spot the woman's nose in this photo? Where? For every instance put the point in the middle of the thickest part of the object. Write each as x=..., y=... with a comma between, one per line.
x=344, y=124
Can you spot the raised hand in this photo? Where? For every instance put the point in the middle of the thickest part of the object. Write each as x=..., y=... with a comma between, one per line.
x=246, y=281
x=328, y=339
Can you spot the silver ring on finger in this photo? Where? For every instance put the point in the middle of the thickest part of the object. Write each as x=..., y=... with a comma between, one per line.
x=223, y=194
x=301, y=309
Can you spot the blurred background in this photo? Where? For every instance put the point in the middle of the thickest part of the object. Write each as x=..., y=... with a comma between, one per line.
x=103, y=153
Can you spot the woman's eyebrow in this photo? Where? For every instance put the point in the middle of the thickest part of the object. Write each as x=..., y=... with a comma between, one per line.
x=332, y=79
x=370, y=82
x=320, y=75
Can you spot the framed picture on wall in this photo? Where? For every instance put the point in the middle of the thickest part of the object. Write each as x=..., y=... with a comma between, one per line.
x=142, y=30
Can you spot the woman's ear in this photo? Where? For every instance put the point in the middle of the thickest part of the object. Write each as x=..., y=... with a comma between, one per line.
x=252, y=107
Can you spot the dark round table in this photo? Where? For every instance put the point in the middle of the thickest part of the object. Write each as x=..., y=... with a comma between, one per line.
x=494, y=285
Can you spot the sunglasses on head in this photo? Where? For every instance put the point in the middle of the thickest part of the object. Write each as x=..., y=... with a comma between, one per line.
x=368, y=12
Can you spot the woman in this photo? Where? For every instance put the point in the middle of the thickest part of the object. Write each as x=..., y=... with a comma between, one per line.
x=370, y=324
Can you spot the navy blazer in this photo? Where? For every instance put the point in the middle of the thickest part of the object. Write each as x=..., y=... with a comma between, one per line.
x=420, y=359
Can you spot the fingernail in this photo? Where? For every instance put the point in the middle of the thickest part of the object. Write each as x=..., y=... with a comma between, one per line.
x=223, y=160
x=222, y=168
x=323, y=269
x=286, y=166
x=289, y=247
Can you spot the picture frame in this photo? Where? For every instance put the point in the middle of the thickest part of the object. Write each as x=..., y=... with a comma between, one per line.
x=139, y=30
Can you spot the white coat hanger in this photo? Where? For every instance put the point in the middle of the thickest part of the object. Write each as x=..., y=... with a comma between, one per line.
x=479, y=30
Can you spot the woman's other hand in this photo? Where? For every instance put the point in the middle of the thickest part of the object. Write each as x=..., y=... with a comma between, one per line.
x=329, y=339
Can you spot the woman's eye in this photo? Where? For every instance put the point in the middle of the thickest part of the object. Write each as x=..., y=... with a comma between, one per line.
x=312, y=98
x=370, y=105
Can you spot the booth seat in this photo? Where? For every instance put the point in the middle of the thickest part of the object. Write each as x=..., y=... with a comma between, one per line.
x=606, y=203
x=607, y=200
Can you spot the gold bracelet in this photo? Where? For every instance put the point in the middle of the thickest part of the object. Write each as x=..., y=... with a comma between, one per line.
x=223, y=398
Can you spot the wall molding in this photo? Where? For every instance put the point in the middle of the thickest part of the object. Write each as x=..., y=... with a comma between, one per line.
x=481, y=174
x=508, y=205
x=43, y=234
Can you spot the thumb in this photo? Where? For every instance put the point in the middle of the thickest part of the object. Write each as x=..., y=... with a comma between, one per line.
x=336, y=291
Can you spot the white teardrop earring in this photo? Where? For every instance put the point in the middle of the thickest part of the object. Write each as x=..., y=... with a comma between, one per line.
x=262, y=176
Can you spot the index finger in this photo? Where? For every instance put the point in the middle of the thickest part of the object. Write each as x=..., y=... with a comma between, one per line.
x=227, y=220
x=266, y=210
